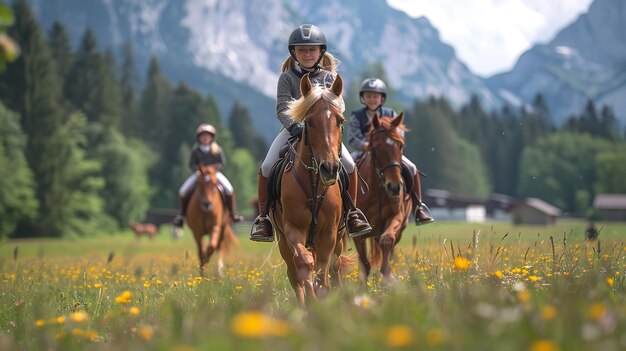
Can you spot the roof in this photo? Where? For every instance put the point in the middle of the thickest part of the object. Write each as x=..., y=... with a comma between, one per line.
x=541, y=206
x=610, y=201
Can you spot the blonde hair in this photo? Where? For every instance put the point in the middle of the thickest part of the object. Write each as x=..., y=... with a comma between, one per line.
x=328, y=62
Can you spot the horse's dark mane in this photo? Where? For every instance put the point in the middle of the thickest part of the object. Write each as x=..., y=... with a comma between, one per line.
x=391, y=131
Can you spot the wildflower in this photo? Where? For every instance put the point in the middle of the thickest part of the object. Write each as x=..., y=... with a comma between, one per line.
x=79, y=317
x=146, y=333
x=523, y=296
x=134, y=310
x=60, y=320
x=498, y=274
x=435, y=337
x=548, y=313
x=363, y=301
x=97, y=285
x=534, y=278
x=609, y=281
x=238, y=288
x=544, y=345
x=39, y=323
x=596, y=311
x=461, y=263
x=399, y=336
x=256, y=325
x=125, y=297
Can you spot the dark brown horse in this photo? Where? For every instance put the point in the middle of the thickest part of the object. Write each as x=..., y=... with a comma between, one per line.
x=387, y=204
x=309, y=211
x=207, y=214
x=148, y=229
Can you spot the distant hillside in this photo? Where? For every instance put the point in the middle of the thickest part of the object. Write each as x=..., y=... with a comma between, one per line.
x=586, y=60
x=233, y=49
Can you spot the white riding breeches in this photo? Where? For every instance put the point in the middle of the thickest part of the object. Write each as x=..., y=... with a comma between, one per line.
x=190, y=183
x=281, y=139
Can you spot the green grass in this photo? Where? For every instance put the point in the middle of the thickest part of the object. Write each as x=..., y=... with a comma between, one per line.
x=521, y=291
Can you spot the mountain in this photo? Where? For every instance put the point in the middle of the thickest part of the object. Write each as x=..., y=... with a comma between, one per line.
x=586, y=60
x=233, y=49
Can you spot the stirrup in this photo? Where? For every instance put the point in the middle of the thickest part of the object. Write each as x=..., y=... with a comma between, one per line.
x=426, y=210
x=259, y=237
x=178, y=221
x=359, y=214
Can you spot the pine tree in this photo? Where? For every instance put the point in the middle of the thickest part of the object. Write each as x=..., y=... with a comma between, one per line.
x=61, y=49
x=243, y=132
x=128, y=83
x=154, y=107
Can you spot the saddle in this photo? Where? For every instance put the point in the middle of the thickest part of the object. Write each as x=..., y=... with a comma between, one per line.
x=287, y=157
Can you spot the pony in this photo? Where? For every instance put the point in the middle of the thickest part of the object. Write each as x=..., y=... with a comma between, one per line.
x=148, y=229
x=208, y=215
x=387, y=204
x=308, y=212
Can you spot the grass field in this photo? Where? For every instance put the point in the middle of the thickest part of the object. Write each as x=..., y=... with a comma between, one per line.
x=459, y=286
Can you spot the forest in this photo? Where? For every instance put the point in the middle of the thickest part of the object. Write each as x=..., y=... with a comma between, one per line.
x=89, y=144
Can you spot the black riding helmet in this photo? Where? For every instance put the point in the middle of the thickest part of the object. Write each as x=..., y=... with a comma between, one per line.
x=374, y=85
x=307, y=34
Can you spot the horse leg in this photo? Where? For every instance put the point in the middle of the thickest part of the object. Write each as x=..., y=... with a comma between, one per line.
x=386, y=242
x=200, y=245
x=288, y=254
x=335, y=273
x=214, y=241
x=361, y=249
x=305, y=264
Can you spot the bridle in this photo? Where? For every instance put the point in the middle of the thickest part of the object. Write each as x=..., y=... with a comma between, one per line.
x=378, y=169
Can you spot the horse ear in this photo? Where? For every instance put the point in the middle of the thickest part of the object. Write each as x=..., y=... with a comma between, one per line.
x=337, y=87
x=305, y=85
x=376, y=121
x=398, y=120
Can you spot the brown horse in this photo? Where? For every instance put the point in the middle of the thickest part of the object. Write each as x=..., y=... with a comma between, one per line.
x=148, y=229
x=308, y=213
x=207, y=214
x=387, y=204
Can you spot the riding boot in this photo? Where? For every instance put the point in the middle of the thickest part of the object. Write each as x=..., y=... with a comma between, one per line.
x=356, y=222
x=180, y=217
x=262, y=229
x=232, y=206
x=420, y=211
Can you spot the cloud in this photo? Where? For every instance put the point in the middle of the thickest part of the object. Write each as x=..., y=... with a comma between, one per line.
x=489, y=35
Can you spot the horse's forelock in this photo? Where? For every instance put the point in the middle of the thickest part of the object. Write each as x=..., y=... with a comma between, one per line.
x=385, y=123
x=298, y=108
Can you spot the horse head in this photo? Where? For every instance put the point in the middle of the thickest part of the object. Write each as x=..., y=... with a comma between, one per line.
x=321, y=110
x=386, y=146
x=207, y=186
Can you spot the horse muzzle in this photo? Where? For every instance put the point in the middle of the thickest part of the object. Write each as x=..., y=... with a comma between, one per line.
x=206, y=206
x=329, y=172
x=393, y=188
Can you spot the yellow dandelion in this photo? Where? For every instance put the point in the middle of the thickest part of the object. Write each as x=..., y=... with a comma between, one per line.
x=91, y=335
x=596, y=311
x=544, y=345
x=238, y=288
x=548, y=313
x=609, y=281
x=146, y=333
x=125, y=297
x=461, y=263
x=134, y=310
x=435, y=337
x=59, y=320
x=97, y=285
x=523, y=296
x=78, y=332
x=399, y=336
x=39, y=323
x=498, y=274
x=256, y=325
x=534, y=278
x=79, y=317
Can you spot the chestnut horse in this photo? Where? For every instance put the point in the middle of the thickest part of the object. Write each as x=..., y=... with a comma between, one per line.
x=207, y=214
x=308, y=213
x=148, y=229
x=387, y=204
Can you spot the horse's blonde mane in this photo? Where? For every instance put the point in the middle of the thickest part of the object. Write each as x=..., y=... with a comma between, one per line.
x=298, y=108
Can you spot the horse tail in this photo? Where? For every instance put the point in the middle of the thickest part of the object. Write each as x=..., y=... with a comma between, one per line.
x=376, y=254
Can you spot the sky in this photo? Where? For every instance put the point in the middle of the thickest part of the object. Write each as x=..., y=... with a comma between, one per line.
x=489, y=35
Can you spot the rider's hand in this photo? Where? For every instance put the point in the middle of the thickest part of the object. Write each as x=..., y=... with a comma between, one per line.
x=295, y=129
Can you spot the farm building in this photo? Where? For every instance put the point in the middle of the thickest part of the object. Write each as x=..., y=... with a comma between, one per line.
x=499, y=206
x=447, y=206
x=535, y=211
x=611, y=207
